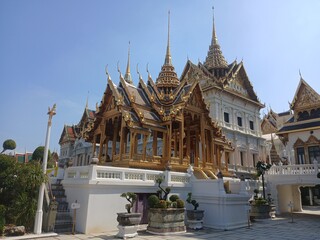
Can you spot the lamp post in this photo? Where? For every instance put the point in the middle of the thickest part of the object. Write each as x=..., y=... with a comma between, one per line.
x=39, y=213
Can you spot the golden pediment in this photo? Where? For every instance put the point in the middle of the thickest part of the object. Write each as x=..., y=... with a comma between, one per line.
x=238, y=86
x=111, y=105
x=194, y=101
x=307, y=98
x=268, y=128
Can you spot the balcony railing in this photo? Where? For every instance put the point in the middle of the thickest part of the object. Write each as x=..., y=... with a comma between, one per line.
x=95, y=172
x=239, y=168
x=303, y=169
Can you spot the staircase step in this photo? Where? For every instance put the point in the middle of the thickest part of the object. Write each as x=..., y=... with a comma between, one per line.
x=64, y=220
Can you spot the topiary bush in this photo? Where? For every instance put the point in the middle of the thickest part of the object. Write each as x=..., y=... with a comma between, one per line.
x=194, y=203
x=153, y=201
x=162, y=204
x=180, y=203
x=160, y=201
x=131, y=197
x=173, y=198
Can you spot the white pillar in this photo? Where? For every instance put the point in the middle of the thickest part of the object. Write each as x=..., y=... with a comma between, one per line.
x=39, y=213
x=310, y=196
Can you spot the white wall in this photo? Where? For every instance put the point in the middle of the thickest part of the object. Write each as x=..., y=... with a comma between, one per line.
x=289, y=194
x=98, y=189
x=221, y=210
x=99, y=195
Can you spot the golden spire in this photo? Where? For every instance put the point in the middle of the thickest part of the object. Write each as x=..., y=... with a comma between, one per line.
x=215, y=59
x=214, y=39
x=168, y=77
x=127, y=76
x=167, y=60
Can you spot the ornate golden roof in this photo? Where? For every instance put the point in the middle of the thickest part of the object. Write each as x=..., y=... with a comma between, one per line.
x=215, y=59
x=168, y=77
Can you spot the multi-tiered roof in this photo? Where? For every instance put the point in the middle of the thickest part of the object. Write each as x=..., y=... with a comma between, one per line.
x=170, y=114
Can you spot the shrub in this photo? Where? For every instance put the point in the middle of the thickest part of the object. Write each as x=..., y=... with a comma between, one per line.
x=2, y=218
x=153, y=201
x=180, y=203
x=9, y=144
x=260, y=201
x=174, y=198
x=194, y=203
x=163, y=193
x=162, y=204
x=19, y=190
x=174, y=204
x=131, y=197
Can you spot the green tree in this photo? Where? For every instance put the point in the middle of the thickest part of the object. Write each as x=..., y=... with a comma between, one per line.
x=37, y=155
x=9, y=144
x=19, y=186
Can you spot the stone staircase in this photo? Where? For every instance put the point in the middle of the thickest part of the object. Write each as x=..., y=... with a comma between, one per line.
x=64, y=220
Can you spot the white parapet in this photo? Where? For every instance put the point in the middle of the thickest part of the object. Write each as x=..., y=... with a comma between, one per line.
x=98, y=189
x=221, y=210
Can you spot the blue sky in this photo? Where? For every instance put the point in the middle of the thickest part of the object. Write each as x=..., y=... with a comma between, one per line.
x=56, y=52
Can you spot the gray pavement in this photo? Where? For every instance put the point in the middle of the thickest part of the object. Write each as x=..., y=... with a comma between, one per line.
x=305, y=226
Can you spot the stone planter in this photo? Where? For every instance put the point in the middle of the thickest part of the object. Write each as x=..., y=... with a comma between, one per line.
x=165, y=221
x=195, y=219
x=128, y=224
x=262, y=211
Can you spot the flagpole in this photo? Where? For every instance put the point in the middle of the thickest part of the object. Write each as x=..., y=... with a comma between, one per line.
x=39, y=212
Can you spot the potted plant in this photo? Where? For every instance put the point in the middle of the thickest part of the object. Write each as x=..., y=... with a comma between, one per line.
x=262, y=168
x=128, y=221
x=195, y=216
x=261, y=208
x=165, y=216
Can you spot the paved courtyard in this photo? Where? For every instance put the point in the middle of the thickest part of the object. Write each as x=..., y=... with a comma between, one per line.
x=305, y=226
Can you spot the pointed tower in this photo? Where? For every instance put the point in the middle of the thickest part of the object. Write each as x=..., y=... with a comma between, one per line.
x=167, y=79
x=127, y=76
x=274, y=157
x=215, y=61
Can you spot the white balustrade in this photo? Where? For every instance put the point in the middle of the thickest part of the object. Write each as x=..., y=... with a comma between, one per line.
x=303, y=169
x=95, y=172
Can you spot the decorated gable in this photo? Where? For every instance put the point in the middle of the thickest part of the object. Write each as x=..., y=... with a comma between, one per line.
x=305, y=98
x=238, y=86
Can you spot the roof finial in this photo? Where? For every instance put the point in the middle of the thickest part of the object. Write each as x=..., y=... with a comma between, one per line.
x=300, y=74
x=140, y=77
x=214, y=35
x=87, y=100
x=149, y=75
x=168, y=54
x=107, y=73
x=127, y=76
x=118, y=68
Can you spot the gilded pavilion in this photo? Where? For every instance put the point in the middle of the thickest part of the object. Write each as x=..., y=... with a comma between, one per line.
x=170, y=112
